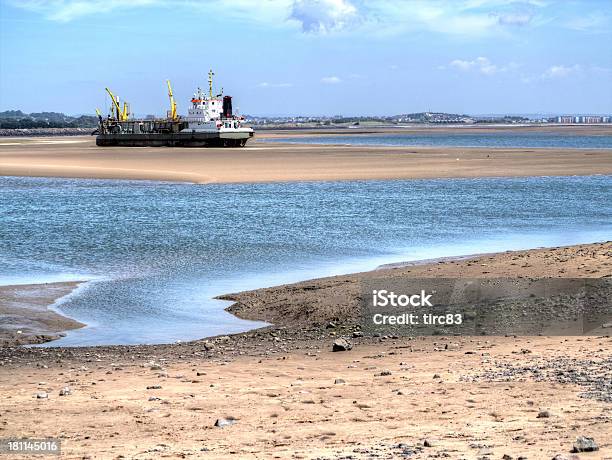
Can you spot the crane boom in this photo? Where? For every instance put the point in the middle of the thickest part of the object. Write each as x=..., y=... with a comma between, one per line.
x=115, y=103
x=172, y=112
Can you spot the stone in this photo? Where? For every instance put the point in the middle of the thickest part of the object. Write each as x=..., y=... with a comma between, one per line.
x=42, y=395
x=585, y=444
x=544, y=414
x=154, y=387
x=66, y=391
x=385, y=373
x=430, y=442
x=357, y=334
x=341, y=345
x=339, y=381
x=222, y=422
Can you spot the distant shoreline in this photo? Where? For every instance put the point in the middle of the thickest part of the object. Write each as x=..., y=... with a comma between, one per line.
x=282, y=131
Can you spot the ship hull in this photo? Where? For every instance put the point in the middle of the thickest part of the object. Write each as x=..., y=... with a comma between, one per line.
x=182, y=139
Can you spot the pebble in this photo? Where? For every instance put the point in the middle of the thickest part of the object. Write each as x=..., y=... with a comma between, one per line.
x=339, y=381
x=66, y=391
x=221, y=422
x=430, y=443
x=585, y=444
x=154, y=387
x=42, y=395
x=544, y=414
x=341, y=345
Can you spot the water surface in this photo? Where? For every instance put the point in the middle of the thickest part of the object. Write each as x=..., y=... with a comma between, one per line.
x=159, y=252
x=493, y=140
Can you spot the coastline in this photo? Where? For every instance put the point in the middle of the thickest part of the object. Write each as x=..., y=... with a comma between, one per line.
x=337, y=299
x=309, y=402
x=27, y=314
x=316, y=302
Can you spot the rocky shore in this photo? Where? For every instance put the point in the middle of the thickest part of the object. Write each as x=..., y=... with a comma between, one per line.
x=35, y=132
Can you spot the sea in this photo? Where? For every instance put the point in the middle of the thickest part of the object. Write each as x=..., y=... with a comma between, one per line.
x=155, y=254
x=467, y=139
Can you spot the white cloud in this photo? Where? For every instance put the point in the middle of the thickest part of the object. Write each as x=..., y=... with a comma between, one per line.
x=331, y=80
x=514, y=18
x=323, y=15
x=561, y=71
x=465, y=18
x=265, y=84
x=595, y=22
x=480, y=64
x=68, y=10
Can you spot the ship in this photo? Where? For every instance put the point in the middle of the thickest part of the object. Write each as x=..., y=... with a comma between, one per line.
x=210, y=122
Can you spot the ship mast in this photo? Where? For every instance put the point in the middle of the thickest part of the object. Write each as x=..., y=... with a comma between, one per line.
x=210, y=81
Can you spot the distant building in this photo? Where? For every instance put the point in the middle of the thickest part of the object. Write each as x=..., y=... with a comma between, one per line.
x=584, y=119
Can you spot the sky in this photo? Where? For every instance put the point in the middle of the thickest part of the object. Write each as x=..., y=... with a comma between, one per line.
x=310, y=57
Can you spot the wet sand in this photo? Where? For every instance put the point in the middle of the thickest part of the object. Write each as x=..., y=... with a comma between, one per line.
x=25, y=317
x=287, y=395
x=265, y=162
x=337, y=298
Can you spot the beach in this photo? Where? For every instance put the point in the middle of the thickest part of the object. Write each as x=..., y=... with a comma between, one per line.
x=281, y=391
x=79, y=157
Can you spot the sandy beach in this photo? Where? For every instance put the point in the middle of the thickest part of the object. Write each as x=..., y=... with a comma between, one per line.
x=265, y=162
x=282, y=392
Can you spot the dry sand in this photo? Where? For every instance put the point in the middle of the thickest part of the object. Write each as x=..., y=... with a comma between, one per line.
x=289, y=396
x=471, y=400
x=264, y=162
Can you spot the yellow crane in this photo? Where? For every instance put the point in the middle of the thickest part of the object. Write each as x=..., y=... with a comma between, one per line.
x=115, y=103
x=122, y=115
x=125, y=113
x=172, y=112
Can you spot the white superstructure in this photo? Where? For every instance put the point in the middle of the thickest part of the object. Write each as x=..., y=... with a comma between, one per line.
x=213, y=114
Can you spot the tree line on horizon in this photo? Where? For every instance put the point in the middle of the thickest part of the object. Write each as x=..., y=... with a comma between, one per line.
x=16, y=119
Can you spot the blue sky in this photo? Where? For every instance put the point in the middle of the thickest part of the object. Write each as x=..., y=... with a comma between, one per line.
x=311, y=57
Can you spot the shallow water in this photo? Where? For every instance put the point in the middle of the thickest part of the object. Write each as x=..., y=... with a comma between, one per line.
x=159, y=252
x=494, y=140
